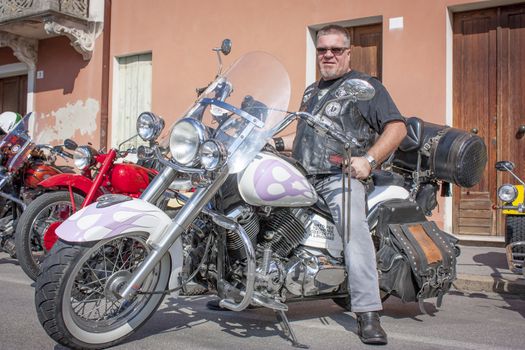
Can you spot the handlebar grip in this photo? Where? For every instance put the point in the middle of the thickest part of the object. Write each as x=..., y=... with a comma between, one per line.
x=65, y=155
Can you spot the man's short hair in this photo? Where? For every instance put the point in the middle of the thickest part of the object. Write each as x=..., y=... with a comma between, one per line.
x=335, y=29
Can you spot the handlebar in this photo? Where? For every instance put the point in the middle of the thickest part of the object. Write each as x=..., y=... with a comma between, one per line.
x=58, y=150
x=322, y=125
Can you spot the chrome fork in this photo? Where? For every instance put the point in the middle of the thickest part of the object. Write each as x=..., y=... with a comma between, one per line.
x=180, y=223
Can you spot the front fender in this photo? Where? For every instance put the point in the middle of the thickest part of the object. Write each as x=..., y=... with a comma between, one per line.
x=94, y=224
x=79, y=182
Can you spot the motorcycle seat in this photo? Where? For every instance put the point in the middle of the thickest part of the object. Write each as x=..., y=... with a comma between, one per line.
x=414, y=138
x=387, y=178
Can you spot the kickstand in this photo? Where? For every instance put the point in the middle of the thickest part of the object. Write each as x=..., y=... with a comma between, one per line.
x=287, y=329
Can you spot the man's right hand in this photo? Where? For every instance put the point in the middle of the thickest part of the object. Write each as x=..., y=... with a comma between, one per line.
x=360, y=168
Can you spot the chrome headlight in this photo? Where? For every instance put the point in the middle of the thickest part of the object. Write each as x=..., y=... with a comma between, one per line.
x=149, y=126
x=185, y=139
x=82, y=157
x=212, y=154
x=507, y=193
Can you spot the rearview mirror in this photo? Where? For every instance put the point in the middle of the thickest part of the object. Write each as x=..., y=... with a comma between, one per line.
x=504, y=165
x=226, y=46
x=70, y=144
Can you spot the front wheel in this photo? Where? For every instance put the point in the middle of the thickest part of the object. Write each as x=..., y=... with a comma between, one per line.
x=515, y=229
x=515, y=232
x=73, y=294
x=35, y=231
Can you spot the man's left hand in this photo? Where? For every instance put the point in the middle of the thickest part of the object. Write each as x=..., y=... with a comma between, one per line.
x=360, y=168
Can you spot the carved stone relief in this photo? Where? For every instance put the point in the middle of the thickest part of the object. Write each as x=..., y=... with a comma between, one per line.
x=82, y=39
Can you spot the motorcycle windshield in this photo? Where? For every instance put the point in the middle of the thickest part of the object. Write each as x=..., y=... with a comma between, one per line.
x=241, y=107
x=17, y=144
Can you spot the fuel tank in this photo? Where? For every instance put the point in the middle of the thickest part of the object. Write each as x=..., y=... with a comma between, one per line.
x=38, y=172
x=129, y=178
x=272, y=180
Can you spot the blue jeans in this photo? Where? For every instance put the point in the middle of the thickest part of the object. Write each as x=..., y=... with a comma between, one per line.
x=360, y=257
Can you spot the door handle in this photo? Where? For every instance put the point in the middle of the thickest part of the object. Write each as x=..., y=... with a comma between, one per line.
x=520, y=132
x=474, y=130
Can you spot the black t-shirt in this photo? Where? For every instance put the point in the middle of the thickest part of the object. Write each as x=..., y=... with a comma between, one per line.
x=378, y=111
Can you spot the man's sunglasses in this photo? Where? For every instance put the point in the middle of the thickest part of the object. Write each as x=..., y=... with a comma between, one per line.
x=337, y=51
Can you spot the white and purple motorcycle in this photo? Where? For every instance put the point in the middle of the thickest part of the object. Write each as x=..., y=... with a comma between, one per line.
x=256, y=231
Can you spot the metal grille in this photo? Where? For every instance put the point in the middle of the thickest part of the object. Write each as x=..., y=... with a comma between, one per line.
x=17, y=8
x=79, y=8
x=9, y=8
x=472, y=163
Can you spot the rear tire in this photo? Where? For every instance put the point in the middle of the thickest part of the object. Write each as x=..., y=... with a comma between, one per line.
x=33, y=223
x=72, y=299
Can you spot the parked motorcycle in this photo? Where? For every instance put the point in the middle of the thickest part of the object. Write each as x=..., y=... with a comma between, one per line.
x=513, y=198
x=260, y=233
x=23, y=165
x=65, y=193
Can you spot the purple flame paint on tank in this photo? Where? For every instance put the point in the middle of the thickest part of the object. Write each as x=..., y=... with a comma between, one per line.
x=264, y=178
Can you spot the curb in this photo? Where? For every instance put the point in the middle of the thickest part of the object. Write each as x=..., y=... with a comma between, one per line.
x=477, y=283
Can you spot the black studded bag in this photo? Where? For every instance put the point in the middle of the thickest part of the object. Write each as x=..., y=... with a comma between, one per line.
x=416, y=260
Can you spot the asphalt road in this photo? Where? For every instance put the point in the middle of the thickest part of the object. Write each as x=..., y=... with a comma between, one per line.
x=475, y=321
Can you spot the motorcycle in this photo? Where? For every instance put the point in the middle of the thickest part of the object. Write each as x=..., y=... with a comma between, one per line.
x=23, y=165
x=64, y=193
x=260, y=235
x=512, y=197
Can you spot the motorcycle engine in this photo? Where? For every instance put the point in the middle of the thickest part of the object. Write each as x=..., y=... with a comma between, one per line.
x=283, y=257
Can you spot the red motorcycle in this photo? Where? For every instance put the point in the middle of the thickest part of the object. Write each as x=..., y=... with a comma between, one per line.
x=23, y=165
x=100, y=174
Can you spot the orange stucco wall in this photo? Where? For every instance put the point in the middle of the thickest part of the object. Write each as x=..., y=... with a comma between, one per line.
x=180, y=35
x=68, y=96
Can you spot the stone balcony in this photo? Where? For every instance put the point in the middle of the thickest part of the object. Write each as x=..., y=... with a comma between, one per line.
x=24, y=22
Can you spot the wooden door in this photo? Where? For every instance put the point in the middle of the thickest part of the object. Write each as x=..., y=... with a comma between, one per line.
x=13, y=94
x=489, y=48
x=366, y=43
x=133, y=97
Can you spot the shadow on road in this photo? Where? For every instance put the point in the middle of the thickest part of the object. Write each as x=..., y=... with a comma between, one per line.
x=185, y=313
x=9, y=260
x=497, y=262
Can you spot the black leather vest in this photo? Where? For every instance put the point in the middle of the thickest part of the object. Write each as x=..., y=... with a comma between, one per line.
x=317, y=152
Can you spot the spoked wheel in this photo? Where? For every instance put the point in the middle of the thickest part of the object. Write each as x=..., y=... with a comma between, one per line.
x=35, y=231
x=76, y=296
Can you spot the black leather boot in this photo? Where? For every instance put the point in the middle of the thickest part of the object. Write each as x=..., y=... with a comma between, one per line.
x=369, y=328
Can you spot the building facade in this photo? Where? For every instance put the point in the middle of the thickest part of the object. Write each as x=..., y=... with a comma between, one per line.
x=89, y=67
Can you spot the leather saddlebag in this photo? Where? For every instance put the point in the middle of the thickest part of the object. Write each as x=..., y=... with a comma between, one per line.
x=416, y=260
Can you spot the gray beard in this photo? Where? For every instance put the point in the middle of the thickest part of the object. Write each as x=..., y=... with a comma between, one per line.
x=331, y=75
